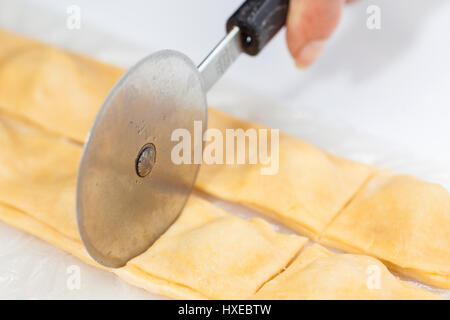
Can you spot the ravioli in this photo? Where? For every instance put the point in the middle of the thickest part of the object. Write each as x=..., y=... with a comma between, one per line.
x=38, y=175
x=401, y=220
x=57, y=94
x=310, y=188
x=319, y=274
x=219, y=255
x=60, y=91
x=207, y=253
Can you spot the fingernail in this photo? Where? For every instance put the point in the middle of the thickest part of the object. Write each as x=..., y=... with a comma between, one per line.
x=309, y=54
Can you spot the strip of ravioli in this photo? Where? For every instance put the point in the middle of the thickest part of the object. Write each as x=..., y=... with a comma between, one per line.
x=401, y=220
x=62, y=92
x=319, y=274
x=58, y=90
x=220, y=255
x=310, y=188
x=207, y=253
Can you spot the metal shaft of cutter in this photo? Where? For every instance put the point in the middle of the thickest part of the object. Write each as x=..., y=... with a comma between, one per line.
x=221, y=58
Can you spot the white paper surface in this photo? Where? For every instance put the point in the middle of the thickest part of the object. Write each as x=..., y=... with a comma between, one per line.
x=379, y=98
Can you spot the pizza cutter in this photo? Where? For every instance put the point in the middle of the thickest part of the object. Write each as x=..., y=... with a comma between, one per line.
x=129, y=189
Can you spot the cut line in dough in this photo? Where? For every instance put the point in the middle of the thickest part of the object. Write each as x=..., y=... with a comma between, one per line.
x=319, y=274
x=307, y=195
x=401, y=220
x=207, y=253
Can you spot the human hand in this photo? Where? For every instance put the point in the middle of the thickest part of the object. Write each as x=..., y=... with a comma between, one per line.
x=310, y=23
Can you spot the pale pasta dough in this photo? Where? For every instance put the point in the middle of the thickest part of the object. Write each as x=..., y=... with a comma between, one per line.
x=306, y=193
x=401, y=220
x=207, y=253
x=62, y=92
x=404, y=222
x=319, y=274
x=219, y=255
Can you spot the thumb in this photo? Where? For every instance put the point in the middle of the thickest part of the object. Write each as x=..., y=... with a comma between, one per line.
x=310, y=23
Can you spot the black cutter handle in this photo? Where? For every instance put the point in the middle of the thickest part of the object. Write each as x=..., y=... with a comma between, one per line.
x=259, y=21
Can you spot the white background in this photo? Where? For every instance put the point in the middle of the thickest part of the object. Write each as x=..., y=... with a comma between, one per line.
x=378, y=96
